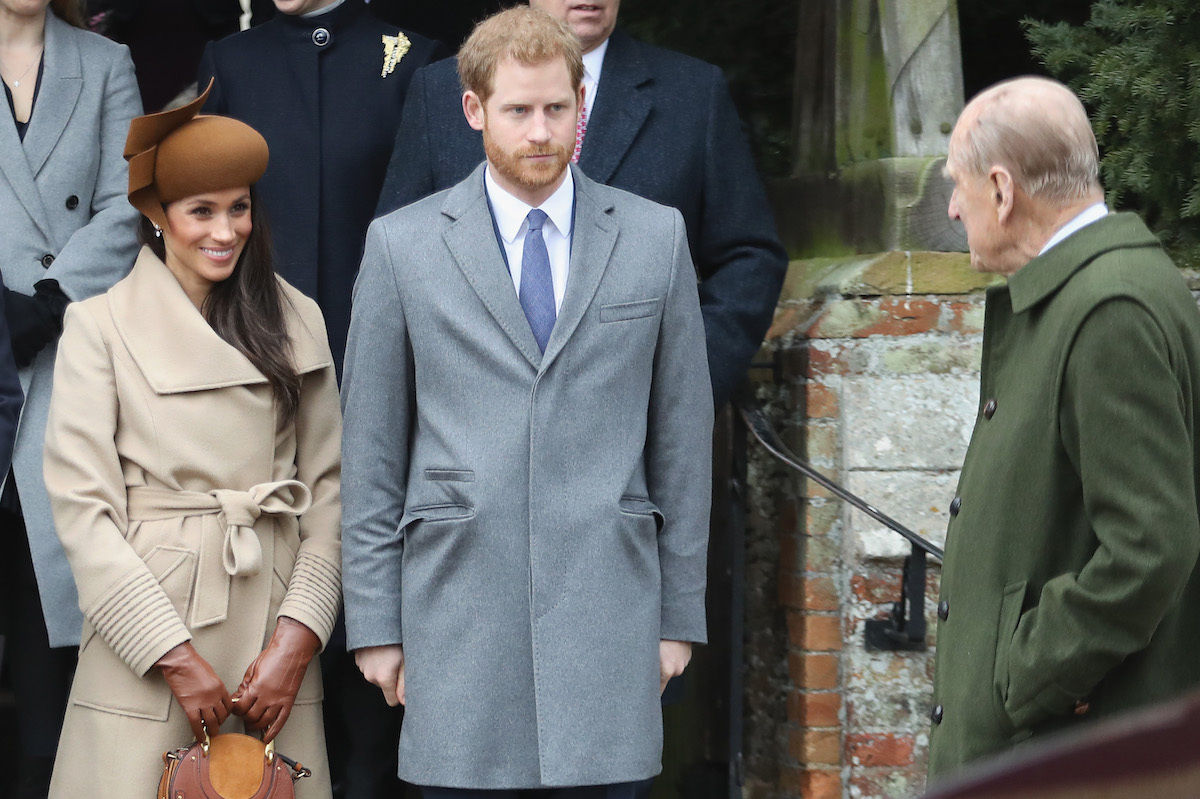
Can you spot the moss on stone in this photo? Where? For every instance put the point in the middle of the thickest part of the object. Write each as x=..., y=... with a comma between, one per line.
x=887, y=273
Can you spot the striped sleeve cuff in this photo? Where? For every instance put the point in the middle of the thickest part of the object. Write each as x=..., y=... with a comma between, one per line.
x=314, y=594
x=137, y=620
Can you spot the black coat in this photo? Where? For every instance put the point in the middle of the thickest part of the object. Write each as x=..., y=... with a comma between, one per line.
x=330, y=119
x=11, y=395
x=663, y=127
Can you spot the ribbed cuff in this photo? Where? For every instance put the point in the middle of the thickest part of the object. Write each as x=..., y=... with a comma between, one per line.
x=137, y=620
x=314, y=595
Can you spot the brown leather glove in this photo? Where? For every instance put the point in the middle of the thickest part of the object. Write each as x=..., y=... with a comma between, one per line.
x=264, y=699
x=197, y=688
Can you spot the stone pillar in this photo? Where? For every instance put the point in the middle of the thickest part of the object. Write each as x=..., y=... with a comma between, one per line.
x=880, y=358
x=878, y=88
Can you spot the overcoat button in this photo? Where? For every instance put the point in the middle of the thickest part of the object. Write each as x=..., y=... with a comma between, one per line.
x=47, y=260
x=989, y=409
x=320, y=37
x=943, y=610
x=936, y=715
x=72, y=203
x=955, y=505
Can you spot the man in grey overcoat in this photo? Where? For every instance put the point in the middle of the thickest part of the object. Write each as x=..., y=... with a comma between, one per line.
x=526, y=468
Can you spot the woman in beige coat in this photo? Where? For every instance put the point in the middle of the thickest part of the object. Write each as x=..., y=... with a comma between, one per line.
x=192, y=459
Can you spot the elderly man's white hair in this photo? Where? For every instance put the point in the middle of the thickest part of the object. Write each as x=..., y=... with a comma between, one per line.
x=1038, y=130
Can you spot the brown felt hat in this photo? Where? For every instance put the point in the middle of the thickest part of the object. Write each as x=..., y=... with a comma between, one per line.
x=179, y=153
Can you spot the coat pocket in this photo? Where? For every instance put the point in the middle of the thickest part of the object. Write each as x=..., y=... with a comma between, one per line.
x=450, y=475
x=175, y=570
x=623, y=311
x=641, y=506
x=1006, y=629
x=103, y=681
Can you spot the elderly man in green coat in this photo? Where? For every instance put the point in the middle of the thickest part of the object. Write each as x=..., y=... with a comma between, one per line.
x=1070, y=588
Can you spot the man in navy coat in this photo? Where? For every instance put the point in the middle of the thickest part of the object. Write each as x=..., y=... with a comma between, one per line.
x=659, y=124
x=324, y=82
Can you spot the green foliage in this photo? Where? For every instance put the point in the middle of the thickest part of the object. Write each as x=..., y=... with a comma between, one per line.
x=1136, y=65
x=753, y=41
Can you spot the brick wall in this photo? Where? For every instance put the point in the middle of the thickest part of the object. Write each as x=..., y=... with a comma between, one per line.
x=879, y=388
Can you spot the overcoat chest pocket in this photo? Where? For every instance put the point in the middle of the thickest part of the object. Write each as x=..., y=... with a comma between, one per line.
x=624, y=311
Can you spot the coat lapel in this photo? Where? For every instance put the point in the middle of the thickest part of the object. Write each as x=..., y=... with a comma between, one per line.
x=174, y=347
x=593, y=236
x=14, y=158
x=622, y=106
x=62, y=82
x=471, y=238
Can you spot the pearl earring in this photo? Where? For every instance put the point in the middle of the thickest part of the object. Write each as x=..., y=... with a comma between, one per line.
x=157, y=232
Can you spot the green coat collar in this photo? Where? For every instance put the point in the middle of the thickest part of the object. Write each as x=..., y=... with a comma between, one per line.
x=1047, y=273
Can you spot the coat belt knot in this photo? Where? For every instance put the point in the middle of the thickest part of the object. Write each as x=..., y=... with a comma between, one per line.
x=242, y=554
x=234, y=514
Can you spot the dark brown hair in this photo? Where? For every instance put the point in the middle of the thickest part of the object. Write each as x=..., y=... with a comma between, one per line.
x=246, y=310
x=70, y=11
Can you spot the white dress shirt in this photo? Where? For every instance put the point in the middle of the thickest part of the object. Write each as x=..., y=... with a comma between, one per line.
x=1086, y=217
x=593, y=62
x=510, y=213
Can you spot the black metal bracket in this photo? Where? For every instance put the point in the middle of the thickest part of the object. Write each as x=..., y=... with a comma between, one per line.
x=904, y=628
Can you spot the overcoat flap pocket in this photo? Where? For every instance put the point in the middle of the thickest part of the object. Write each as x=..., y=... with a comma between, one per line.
x=622, y=311
x=641, y=506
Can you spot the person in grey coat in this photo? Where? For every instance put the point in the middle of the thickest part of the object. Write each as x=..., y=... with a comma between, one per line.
x=68, y=233
x=526, y=452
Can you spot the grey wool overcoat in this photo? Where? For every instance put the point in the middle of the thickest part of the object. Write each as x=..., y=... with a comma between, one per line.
x=64, y=216
x=187, y=513
x=529, y=526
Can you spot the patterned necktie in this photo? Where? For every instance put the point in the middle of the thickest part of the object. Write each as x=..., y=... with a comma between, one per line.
x=537, y=287
x=580, y=132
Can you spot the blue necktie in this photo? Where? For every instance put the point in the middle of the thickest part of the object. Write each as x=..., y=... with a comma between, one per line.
x=537, y=287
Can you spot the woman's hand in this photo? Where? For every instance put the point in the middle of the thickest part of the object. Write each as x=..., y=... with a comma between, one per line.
x=265, y=697
x=197, y=688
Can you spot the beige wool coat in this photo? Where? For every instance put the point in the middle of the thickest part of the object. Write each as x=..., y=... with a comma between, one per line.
x=186, y=513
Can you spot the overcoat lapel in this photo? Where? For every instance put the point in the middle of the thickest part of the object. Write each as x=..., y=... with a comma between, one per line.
x=471, y=239
x=15, y=158
x=621, y=108
x=192, y=357
x=62, y=82
x=593, y=236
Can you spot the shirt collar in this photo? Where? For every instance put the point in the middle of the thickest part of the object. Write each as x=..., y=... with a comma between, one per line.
x=510, y=212
x=1086, y=217
x=593, y=62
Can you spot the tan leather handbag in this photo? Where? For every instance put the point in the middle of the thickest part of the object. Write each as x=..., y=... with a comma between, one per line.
x=229, y=766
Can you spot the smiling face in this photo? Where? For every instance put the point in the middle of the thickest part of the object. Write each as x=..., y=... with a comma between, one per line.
x=528, y=126
x=591, y=21
x=205, y=238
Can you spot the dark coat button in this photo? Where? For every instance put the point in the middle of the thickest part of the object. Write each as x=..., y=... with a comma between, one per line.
x=936, y=715
x=989, y=409
x=72, y=203
x=321, y=37
x=47, y=260
x=943, y=610
x=955, y=506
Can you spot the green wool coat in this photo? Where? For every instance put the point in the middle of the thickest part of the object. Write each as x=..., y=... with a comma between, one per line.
x=1070, y=587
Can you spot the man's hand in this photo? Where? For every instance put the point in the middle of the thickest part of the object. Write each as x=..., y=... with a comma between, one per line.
x=384, y=666
x=673, y=657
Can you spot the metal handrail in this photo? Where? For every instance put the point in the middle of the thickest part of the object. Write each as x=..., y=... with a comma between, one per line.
x=756, y=420
x=904, y=628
